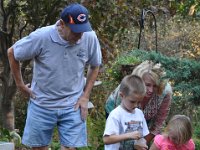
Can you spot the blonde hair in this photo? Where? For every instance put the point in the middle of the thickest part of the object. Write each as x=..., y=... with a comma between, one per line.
x=155, y=71
x=132, y=84
x=181, y=126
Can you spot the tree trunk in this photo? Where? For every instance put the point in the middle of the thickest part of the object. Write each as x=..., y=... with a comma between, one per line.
x=8, y=87
x=8, y=116
x=8, y=90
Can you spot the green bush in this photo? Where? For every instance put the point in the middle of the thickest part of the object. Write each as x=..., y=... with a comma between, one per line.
x=196, y=136
x=95, y=133
x=183, y=74
x=197, y=143
x=5, y=135
x=116, y=72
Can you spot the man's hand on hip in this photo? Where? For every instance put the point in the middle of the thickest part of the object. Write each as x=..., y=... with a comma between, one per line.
x=83, y=104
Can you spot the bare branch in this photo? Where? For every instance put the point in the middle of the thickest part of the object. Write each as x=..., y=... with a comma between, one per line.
x=12, y=14
x=1, y=77
x=2, y=7
x=21, y=30
x=50, y=12
x=3, y=33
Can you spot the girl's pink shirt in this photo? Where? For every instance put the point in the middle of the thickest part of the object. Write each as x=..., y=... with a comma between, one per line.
x=163, y=143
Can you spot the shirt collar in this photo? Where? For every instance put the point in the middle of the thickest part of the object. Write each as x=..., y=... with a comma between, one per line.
x=54, y=34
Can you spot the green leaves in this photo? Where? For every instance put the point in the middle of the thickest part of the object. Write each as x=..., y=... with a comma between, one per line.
x=5, y=135
x=183, y=73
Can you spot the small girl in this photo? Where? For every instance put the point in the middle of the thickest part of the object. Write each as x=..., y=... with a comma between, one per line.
x=177, y=136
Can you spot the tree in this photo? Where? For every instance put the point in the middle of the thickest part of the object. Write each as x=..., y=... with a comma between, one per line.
x=8, y=14
x=18, y=18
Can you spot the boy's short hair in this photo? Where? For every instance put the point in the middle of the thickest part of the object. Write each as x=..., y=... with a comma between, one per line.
x=132, y=84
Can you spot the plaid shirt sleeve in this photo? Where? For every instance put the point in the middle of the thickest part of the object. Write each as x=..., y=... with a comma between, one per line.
x=161, y=115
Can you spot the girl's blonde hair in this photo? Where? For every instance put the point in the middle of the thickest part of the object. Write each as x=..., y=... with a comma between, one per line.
x=181, y=126
x=155, y=71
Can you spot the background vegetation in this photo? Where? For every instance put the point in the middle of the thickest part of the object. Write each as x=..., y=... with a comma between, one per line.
x=117, y=25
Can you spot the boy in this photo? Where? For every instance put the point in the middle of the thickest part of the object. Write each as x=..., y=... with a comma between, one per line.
x=126, y=123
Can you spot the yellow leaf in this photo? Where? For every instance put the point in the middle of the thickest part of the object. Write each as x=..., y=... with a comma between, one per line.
x=192, y=9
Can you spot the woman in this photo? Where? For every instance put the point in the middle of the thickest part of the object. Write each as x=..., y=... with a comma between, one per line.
x=157, y=100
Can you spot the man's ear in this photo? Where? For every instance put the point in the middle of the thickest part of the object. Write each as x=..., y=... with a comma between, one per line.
x=62, y=23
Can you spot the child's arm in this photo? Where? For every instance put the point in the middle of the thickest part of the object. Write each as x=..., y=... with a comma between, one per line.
x=153, y=147
x=140, y=144
x=111, y=139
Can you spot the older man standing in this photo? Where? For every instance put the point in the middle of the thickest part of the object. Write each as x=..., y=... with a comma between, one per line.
x=59, y=94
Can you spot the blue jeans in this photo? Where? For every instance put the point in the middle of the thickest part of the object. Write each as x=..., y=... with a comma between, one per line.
x=40, y=124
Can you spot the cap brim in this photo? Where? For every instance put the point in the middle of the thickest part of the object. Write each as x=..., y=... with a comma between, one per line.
x=79, y=28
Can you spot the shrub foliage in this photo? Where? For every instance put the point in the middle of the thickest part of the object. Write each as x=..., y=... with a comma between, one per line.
x=182, y=73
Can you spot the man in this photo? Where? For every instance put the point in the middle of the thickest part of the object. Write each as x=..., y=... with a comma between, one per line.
x=58, y=93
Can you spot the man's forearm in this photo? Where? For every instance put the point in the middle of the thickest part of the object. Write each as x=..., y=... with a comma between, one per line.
x=15, y=67
x=91, y=78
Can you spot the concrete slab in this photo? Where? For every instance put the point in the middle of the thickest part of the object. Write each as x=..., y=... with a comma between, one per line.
x=6, y=146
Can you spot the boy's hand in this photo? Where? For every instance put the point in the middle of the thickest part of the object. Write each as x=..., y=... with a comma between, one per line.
x=137, y=147
x=135, y=135
x=140, y=144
